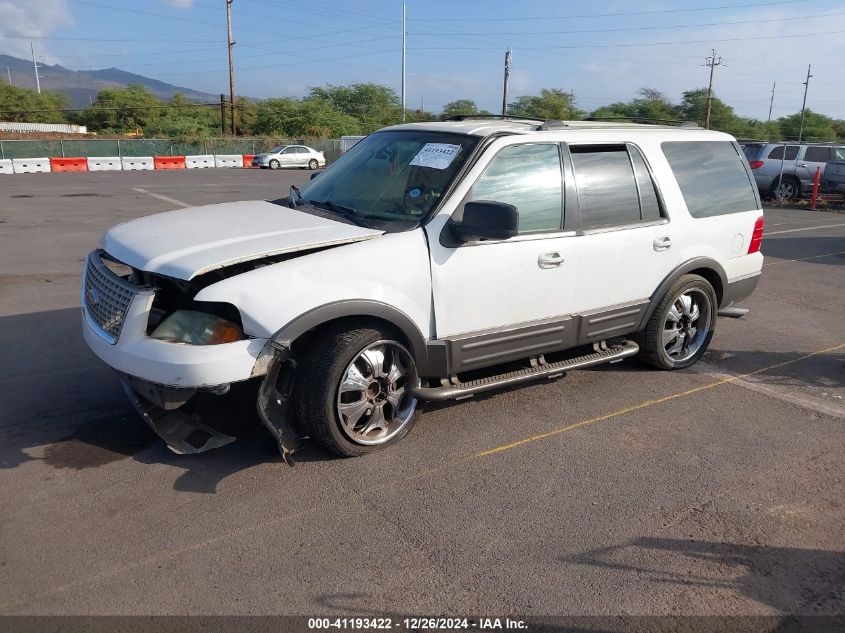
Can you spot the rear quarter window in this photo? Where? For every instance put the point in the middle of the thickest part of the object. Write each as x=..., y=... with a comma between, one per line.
x=713, y=177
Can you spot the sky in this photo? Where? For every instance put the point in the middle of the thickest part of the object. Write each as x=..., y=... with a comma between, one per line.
x=602, y=50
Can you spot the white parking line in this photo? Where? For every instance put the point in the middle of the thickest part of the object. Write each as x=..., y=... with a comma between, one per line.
x=802, y=259
x=779, y=393
x=178, y=203
x=806, y=228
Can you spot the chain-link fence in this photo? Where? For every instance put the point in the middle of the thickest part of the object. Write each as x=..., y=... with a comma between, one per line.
x=66, y=148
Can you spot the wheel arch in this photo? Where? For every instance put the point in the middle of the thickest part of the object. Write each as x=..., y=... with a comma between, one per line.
x=705, y=267
x=303, y=326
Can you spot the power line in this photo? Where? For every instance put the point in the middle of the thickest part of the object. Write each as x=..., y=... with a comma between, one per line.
x=634, y=44
x=636, y=28
x=603, y=15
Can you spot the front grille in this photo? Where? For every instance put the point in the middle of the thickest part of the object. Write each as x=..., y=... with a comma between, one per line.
x=106, y=298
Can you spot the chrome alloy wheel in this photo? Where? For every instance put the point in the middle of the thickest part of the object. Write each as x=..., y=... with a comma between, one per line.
x=687, y=325
x=374, y=399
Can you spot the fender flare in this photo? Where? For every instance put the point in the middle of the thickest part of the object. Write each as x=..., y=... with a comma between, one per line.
x=420, y=347
x=697, y=263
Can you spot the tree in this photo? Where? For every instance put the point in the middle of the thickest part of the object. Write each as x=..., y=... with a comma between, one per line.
x=273, y=115
x=120, y=110
x=246, y=112
x=549, y=104
x=458, y=108
x=817, y=127
x=27, y=106
x=372, y=105
x=184, y=120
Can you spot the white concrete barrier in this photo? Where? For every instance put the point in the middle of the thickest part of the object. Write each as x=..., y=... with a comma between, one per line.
x=197, y=162
x=31, y=165
x=134, y=163
x=6, y=166
x=104, y=163
x=228, y=160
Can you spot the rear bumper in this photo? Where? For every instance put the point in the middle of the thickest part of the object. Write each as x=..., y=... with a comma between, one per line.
x=740, y=289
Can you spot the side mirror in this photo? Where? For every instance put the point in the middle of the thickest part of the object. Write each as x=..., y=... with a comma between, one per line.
x=486, y=221
x=315, y=174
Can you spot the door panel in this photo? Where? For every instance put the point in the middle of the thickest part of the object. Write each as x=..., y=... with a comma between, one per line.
x=500, y=285
x=512, y=284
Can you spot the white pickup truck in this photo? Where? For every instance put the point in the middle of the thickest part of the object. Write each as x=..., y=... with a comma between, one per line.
x=432, y=261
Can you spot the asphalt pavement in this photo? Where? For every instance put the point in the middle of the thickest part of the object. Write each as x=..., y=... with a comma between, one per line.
x=618, y=490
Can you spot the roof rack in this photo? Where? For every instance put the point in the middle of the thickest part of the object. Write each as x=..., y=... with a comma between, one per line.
x=639, y=119
x=503, y=117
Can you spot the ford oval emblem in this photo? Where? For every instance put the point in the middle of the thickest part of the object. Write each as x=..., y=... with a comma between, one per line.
x=93, y=296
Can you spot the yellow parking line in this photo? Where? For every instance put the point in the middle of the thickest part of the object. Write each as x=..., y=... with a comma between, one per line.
x=648, y=403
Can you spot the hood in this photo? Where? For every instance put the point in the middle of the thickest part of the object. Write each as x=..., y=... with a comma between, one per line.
x=189, y=242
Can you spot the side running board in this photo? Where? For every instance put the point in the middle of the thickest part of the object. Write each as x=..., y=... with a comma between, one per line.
x=457, y=389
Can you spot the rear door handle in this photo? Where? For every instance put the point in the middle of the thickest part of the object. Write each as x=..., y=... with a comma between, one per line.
x=663, y=243
x=550, y=260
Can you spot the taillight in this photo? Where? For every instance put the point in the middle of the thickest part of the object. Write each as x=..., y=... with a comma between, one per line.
x=756, y=236
x=755, y=164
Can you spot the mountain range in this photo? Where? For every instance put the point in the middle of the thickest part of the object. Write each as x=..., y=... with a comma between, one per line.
x=82, y=86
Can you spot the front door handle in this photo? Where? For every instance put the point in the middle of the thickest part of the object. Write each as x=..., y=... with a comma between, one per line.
x=550, y=260
x=663, y=243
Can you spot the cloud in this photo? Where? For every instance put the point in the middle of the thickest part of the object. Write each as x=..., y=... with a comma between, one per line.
x=180, y=4
x=32, y=19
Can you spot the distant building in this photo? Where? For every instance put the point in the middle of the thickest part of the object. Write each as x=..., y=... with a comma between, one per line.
x=42, y=127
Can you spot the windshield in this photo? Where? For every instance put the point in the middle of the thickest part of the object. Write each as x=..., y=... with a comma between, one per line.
x=391, y=175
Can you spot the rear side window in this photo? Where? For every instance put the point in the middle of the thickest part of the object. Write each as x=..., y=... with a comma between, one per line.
x=839, y=153
x=751, y=150
x=614, y=186
x=712, y=176
x=791, y=152
x=817, y=154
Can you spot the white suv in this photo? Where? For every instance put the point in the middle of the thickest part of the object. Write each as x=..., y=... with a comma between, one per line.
x=432, y=261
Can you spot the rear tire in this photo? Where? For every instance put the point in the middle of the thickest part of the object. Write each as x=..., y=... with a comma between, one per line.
x=313, y=164
x=681, y=327
x=353, y=389
x=788, y=188
x=274, y=164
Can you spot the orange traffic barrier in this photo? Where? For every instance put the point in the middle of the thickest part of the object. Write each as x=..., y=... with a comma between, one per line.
x=68, y=164
x=169, y=162
x=248, y=160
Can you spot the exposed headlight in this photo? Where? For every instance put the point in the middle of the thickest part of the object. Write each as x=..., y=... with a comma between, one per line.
x=196, y=328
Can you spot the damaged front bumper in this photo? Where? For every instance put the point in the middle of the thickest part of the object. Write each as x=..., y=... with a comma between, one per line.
x=167, y=411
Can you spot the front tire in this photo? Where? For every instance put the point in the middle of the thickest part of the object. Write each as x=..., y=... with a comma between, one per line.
x=682, y=325
x=274, y=164
x=354, y=390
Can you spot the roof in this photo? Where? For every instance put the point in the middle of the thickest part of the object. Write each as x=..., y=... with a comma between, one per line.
x=487, y=126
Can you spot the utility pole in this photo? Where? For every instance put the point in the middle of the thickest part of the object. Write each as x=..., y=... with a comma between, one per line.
x=506, y=82
x=9, y=75
x=804, y=105
x=404, y=54
x=35, y=63
x=772, y=102
x=231, y=68
x=222, y=114
x=712, y=62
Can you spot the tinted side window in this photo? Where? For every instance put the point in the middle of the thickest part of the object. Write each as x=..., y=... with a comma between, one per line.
x=751, y=150
x=649, y=202
x=712, y=176
x=839, y=153
x=530, y=178
x=607, y=191
x=791, y=152
x=817, y=154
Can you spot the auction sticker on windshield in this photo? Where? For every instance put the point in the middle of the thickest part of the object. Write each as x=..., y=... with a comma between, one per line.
x=436, y=155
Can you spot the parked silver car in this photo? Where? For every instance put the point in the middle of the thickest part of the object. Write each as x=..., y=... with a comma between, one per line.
x=290, y=156
x=786, y=170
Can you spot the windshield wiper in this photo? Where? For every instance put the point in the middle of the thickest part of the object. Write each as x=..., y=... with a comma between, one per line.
x=347, y=212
